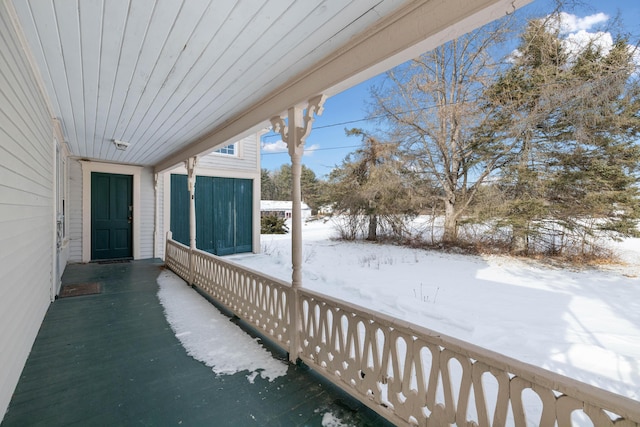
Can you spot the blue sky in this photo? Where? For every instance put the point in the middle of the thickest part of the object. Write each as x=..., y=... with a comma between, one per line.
x=327, y=144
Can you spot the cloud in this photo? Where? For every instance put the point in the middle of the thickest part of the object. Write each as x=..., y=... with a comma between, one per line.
x=579, y=32
x=570, y=23
x=310, y=149
x=280, y=146
x=274, y=147
x=578, y=41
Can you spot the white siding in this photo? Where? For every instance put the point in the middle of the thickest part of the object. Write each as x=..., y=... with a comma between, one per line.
x=246, y=160
x=26, y=208
x=147, y=211
x=75, y=211
x=160, y=244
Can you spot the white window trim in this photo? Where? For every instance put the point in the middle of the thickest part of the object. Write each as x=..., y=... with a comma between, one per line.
x=87, y=168
x=236, y=151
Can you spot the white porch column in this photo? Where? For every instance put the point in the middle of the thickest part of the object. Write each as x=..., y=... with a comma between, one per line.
x=156, y=215
x=294, y=133
x=190, y=164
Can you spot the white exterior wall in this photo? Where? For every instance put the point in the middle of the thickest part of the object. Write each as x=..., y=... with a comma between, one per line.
x=161, y=233
x=147, y=212
x=80, y=213
x=247, y=158
x=74, y=211
x=62, y=215
x=27, y=210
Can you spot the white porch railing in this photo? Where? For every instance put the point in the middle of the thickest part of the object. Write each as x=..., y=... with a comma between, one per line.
x=260, y=300
x=408, y=374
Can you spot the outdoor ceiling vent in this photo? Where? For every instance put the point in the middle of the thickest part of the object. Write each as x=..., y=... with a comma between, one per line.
x=120, y=145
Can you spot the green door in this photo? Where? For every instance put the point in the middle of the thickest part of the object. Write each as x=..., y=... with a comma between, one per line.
x=243, y=200
x=224, y=209
x=232, y=208
x=111, y=216
x=179, y=210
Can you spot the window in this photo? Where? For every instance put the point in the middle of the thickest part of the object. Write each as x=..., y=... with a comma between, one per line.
x=229, y=150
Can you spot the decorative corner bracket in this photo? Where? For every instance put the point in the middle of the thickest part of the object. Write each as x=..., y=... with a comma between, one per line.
x=298, y=127
x=191, y=164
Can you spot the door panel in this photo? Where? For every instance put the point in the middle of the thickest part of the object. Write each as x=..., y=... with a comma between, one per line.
x=179, y=223
x=205, y=231
x=111, y=216
x=224, y=209
x=244, y=223
x=223, y=213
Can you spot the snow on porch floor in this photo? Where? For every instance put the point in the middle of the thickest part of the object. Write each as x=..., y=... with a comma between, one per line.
x=112, y=359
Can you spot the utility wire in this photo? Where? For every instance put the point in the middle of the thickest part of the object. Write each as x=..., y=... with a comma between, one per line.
x=367, y=119
x=315, y=149
x=342, y=124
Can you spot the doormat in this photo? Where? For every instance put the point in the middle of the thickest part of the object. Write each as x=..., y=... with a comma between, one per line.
x=114, y=261
x=80, y=289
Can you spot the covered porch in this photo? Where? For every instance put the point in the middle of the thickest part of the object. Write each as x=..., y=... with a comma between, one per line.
x=151, y=99
x=112, y=359
x=126, y=92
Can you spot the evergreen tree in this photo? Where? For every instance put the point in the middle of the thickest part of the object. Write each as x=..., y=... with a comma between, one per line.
x=573, y=118
x=371, y=182
x=282, y=179
x=267, y=186
x=277, y=186
x=311, y=188
x=521, y=102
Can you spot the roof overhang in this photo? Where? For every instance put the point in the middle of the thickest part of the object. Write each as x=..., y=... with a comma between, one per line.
x=414, y=29
x=178, y=79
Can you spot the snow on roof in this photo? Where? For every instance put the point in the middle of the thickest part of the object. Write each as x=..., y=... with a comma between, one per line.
x=278, y=205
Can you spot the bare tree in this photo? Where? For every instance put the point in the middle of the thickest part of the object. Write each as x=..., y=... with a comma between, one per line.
x=433, y=106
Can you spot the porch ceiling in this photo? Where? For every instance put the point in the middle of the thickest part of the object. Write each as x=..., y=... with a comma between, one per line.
x=177, y=78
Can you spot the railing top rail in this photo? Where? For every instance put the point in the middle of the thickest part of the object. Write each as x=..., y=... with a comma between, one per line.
x=241, y=267
x=626, y=407
x=176, y=243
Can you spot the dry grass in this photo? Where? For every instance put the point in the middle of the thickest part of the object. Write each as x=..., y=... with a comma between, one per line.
x=595, y=258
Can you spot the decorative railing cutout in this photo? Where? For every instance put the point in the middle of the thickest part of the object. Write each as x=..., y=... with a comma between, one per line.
x=407, y=373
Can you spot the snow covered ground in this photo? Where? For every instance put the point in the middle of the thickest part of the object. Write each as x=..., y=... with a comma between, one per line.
x=581, y=323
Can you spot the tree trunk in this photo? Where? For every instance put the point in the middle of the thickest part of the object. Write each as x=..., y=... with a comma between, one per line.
x=373, y=228
x=519, y=231
x=450, y=234
x=519, y=240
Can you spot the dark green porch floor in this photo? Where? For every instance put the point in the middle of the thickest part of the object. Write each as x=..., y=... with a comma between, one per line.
x=111, y=359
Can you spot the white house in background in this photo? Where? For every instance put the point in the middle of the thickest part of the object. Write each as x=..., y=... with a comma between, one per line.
x=325, y=209
x=100, y=104
x=282, y=209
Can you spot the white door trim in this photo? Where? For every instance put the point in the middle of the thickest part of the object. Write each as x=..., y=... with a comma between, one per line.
x=87, y=168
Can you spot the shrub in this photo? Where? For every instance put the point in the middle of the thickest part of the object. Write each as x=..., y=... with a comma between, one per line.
x=272, y=224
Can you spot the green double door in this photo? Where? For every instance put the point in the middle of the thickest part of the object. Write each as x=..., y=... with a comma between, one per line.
x=111, y=216
x=224, y=213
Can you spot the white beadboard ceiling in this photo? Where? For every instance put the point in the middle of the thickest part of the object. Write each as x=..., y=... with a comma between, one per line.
x=162, y=75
